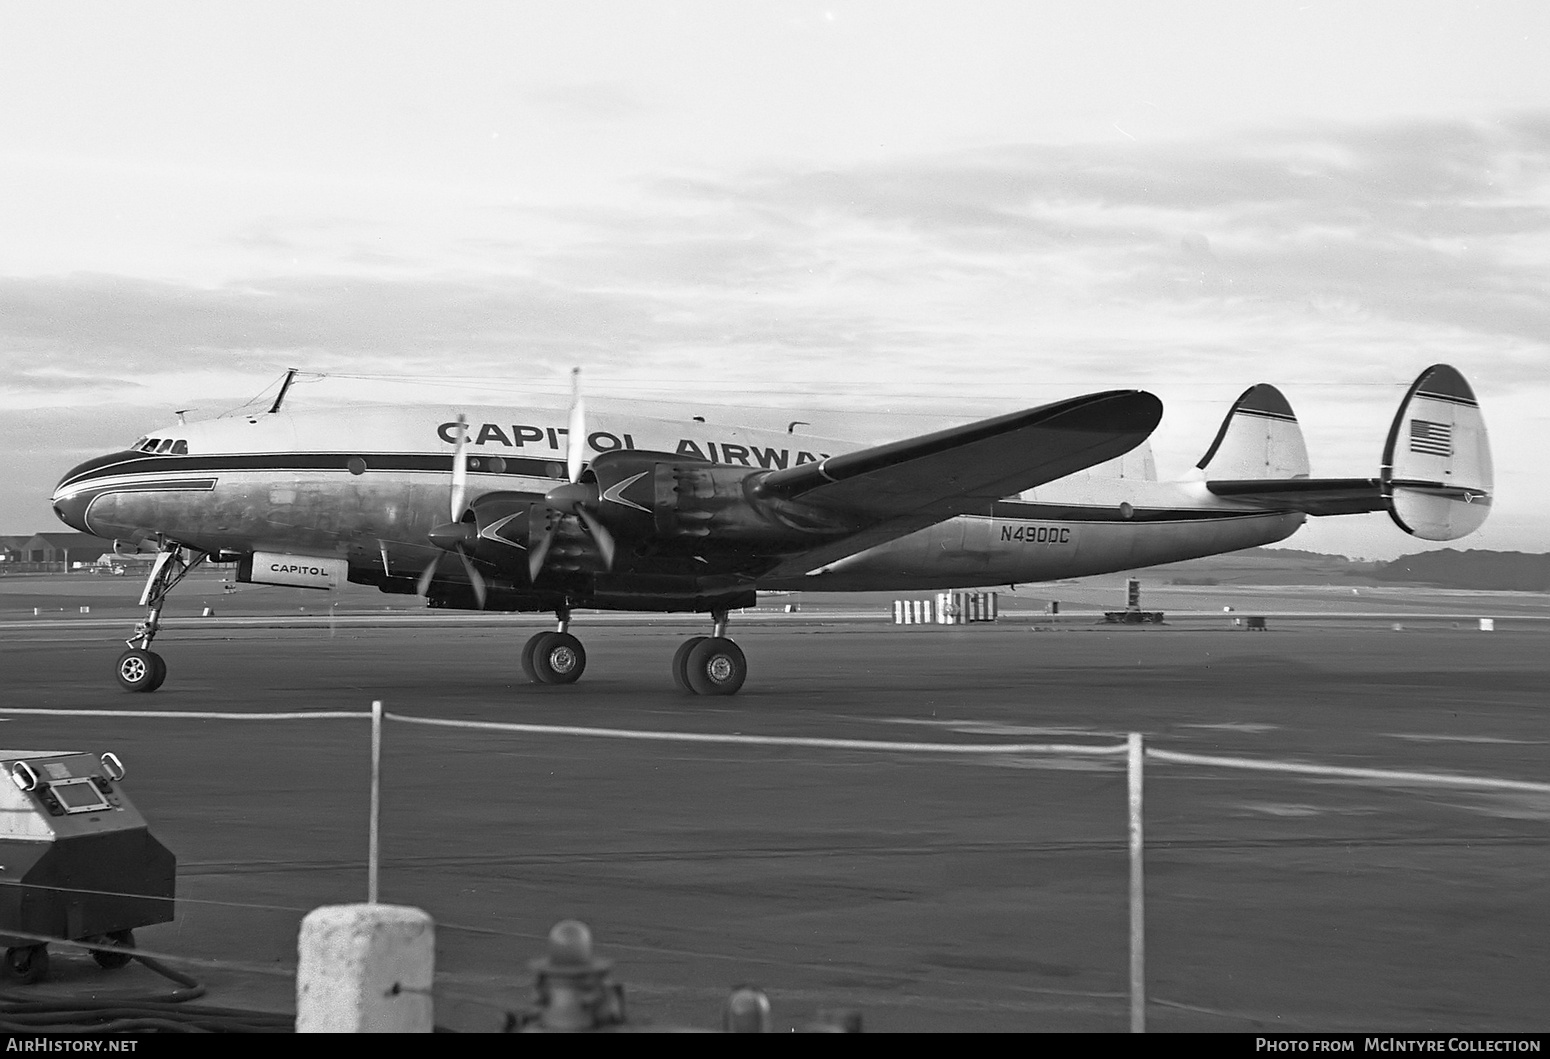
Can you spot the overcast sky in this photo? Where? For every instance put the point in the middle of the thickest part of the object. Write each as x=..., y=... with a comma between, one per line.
x=939, y=209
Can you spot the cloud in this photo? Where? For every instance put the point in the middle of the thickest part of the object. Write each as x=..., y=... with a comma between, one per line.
x=1430, y=231
x=598, y=101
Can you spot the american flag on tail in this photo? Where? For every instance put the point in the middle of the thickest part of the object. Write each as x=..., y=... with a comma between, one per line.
x=1434, y=439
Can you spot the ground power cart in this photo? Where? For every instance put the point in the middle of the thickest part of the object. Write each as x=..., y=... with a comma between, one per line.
x=77, y=862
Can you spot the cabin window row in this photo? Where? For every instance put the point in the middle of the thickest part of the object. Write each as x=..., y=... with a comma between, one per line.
x=175, y=447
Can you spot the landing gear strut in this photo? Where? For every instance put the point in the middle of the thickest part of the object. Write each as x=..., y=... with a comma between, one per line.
x=554, y=657
x=710, y=665
x=140, y=668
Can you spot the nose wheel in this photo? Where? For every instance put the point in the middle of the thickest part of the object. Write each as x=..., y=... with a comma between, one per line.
x=141, y=670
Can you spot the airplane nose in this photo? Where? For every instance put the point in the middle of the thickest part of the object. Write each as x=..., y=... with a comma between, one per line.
x=70, y=504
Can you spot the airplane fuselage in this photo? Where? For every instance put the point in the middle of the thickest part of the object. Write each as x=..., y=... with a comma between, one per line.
x=368, y=486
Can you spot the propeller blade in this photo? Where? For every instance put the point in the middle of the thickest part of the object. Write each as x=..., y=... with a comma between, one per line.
x=475, y=578
x=576, y=434
x=460, y=468
x=605, y=539
x=426, y=577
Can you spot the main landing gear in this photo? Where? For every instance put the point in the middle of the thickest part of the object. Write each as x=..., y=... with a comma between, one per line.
x=710, y=665
x=140, y=668
x=702, y=665
x=554, y=657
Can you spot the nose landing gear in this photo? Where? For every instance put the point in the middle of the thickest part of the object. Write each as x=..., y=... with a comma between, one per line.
x=139, y=668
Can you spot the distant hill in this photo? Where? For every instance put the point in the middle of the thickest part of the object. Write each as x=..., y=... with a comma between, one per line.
x=1447, y=568
x=1265, y=566
x=1493, y=571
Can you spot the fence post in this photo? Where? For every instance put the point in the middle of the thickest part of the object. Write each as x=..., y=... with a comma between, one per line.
x=365, y=969
x=376, y=801
x=1137, y=894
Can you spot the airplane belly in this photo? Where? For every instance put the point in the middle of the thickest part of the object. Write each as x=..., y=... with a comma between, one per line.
x=976, y=550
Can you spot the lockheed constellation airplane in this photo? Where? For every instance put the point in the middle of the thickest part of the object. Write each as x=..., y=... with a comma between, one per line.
x=506, y=511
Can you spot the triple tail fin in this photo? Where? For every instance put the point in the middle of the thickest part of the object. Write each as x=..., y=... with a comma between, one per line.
x=1436, y=476
x=1437, y=472
x=1260, y=438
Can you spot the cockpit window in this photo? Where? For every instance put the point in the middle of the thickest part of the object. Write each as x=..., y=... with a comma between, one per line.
x=180, y=448
x=166, y=445
x=139, y=446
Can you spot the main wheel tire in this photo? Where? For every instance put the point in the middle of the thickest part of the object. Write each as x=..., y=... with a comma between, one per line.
x=680, y=657
x=112, y=961
x=715, y=666
x=559, y=658
x=28, y=963
x=527, y=658
x=139, y=670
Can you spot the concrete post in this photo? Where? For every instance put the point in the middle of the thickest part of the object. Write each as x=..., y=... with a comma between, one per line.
x=365, y=969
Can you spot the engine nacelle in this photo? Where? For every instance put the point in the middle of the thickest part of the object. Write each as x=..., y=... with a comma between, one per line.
x=672, y=498
x=652, y=503
x=508, y=522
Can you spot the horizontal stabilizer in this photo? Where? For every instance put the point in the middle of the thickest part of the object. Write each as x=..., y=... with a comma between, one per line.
x=1313, y=496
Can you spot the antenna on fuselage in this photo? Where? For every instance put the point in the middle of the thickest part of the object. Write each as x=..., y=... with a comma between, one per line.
x=290, y=374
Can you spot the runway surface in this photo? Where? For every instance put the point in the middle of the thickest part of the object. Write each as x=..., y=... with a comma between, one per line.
x=929, y=891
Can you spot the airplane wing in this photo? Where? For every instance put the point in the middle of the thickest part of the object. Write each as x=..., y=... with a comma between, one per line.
x=1314, y=496
x=904, y=486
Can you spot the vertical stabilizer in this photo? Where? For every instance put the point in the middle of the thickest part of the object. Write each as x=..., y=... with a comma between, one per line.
x=1437, y=462
x=1260, y=438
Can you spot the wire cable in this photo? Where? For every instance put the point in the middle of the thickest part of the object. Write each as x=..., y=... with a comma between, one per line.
x=166, y=1013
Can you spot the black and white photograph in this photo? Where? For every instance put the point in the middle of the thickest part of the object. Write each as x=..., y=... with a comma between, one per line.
x=1008, y=516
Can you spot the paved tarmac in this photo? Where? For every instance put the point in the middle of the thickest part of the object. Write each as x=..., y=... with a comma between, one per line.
x=929, y=891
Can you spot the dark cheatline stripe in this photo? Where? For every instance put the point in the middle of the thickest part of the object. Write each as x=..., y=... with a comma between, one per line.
x=163, y=485
x=1448, y=398
x=1035, y=512
x=122, y=463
